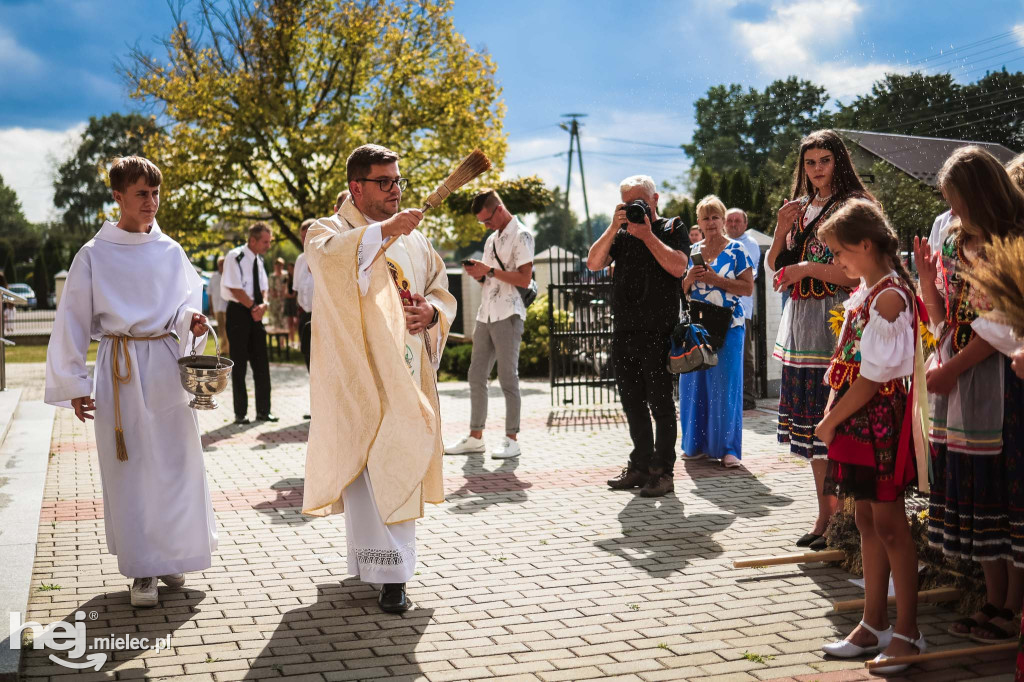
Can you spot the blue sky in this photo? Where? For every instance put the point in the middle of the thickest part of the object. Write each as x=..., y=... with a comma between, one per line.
x=635, y=68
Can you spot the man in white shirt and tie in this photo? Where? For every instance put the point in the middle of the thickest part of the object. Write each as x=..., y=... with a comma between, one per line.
x=244, y=287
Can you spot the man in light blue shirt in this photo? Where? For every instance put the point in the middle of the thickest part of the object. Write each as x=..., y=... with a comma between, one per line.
x=736, y=228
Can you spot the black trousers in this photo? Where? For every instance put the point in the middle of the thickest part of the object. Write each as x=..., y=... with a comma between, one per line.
x=748, y=363
x=305, y=334
x=248, y=341
x=645, y=390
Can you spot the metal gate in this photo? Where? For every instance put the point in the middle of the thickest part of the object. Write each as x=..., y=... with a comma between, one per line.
x=580, y=325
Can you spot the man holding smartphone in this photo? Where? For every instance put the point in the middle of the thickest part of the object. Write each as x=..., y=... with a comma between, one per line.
x=646, y=286
x=507, y=264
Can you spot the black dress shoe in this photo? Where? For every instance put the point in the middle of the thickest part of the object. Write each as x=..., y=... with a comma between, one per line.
x=807, y=539
x=266, y=418
x=307, y=416
x=241, y=420
x=392, y=598
x=629, y=478
x=819, y=544
x=749, y=406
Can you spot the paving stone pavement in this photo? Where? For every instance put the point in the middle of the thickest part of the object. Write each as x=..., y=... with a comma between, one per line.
x=531, y=570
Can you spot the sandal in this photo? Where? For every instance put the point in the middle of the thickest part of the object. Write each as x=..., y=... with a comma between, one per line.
x=992, y=633
x=990, y=610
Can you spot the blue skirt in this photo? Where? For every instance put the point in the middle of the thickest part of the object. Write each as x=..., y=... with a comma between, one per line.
x=711, y=403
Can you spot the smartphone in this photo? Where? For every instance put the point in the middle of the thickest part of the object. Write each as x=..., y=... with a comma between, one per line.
x=467, y=262
x=697, y=259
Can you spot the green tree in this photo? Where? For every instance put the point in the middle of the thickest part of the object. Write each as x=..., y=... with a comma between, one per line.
x=739, y=128
x=7, y=258
x=724, y=190
x=12, y=218
x=740, y=190
x=909, y=204
x=559, y=226
x=705, y=184
x=264, y=100
x=81, y=187
x=679, y=206
x=41, y=280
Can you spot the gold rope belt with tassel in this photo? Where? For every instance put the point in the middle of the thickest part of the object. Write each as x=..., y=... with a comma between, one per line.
x=121, y=345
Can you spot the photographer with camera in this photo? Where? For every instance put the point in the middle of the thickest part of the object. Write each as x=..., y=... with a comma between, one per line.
x=650, y=260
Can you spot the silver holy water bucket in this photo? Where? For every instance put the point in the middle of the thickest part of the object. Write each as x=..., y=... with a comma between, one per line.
x=204, y=376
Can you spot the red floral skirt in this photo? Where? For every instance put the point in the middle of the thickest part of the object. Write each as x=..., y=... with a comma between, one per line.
x=863, y=455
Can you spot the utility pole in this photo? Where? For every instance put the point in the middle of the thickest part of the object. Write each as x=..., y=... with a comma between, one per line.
x=573, y=128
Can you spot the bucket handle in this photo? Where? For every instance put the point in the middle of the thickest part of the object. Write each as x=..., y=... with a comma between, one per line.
x=216, y=341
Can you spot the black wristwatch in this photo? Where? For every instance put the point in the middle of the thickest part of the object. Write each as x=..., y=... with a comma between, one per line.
x=435, y=318
x=490, y=273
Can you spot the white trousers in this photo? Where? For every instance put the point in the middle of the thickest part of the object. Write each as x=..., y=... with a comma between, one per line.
x=377, y=552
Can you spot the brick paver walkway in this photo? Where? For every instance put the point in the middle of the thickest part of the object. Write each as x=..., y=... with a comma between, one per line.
x=531, y=570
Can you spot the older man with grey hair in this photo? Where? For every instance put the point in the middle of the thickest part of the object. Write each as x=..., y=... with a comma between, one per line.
x=736, y=228
x=650, y=260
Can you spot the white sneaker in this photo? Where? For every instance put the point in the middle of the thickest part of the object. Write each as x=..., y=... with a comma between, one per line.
x=173, y=580
x=466, y=446
x=509, y=449
x=143, y=594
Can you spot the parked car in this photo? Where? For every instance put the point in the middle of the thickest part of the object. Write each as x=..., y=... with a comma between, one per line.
x=25, y=291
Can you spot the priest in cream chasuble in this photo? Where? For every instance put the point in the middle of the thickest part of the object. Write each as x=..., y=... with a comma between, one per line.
x=374, y=448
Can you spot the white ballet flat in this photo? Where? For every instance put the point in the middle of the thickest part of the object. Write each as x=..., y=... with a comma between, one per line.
x=890, y=669
x=844, y=648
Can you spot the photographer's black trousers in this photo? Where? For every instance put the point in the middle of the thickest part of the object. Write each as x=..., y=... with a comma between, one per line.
x=248, y=340
x=645, y=389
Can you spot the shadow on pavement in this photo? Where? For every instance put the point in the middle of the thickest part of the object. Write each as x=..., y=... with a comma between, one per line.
x=733, y=490
x=483, y=488
x=659, y=538
x=286, y=508
x=344, y=620
x=177, y=606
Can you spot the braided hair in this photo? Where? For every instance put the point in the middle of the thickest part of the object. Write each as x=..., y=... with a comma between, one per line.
x=860, y=219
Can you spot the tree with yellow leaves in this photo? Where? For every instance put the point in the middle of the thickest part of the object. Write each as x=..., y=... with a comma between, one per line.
x=261, y=101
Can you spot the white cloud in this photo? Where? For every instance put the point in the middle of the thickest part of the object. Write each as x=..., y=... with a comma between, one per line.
x=1019, y=31
x=605, y=161
x=801, y=38
x=14, y=56
x=28, y=159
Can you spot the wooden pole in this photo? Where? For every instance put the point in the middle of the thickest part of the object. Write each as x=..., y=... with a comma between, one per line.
x=934, y=596
x=940, y=655
x=800, y=558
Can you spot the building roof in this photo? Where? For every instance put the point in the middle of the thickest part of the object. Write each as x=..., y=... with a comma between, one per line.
x=918, y=157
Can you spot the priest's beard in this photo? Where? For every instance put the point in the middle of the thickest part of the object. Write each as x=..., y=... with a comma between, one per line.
x=381, y=209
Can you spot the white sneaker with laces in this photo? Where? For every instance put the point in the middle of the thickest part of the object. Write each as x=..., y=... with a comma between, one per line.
x=143, y=593
x=173, y=580
x=466, y=446
x=509, y=449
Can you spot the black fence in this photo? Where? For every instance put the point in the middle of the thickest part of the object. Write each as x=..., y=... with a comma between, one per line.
x=580, y=325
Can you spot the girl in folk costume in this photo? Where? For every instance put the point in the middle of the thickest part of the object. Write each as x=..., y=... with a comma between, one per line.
x=132, y=288
x=977, y=402
x=868, y=425
x=823, y=181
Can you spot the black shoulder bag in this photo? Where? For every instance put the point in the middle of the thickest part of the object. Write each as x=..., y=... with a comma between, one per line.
x=528, y=293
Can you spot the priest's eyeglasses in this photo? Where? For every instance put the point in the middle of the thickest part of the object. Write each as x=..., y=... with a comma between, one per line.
x=385, y=184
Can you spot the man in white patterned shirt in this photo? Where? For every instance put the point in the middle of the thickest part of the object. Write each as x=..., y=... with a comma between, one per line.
x=507, y=264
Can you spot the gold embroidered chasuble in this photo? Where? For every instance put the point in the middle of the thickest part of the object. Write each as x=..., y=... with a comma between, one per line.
x=368, y=409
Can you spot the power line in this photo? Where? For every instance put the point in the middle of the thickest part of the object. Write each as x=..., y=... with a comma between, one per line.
x=975, y=122
x=966, y=110
x=968, y=46
x=952, y=58
x=645, y=144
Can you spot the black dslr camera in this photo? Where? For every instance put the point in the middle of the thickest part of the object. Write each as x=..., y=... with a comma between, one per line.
x=636, y=210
